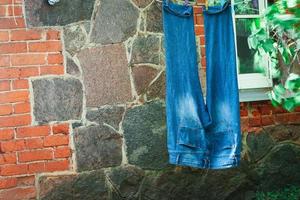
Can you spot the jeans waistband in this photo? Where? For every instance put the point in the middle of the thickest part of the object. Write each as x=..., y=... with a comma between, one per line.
x=177, y=9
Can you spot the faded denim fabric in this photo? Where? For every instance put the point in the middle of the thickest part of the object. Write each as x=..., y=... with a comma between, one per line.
x=201, y=135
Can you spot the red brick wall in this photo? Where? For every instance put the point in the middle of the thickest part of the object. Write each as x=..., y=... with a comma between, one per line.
x=254, y=115
x=27, y=149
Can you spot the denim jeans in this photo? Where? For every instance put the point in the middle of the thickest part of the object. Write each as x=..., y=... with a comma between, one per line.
x=201, y=134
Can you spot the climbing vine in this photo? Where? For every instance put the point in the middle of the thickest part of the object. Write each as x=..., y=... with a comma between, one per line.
x=277, y=37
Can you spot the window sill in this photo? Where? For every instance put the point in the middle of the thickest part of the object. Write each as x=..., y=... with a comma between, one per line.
x=258, y=94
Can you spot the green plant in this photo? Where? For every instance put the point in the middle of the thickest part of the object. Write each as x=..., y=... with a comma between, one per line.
x=288, y=193
x=277, y=36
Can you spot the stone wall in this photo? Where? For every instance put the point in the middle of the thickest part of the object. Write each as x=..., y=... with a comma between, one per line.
x=82, y=110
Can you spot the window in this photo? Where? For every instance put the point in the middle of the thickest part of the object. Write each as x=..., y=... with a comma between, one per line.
x=253, y=85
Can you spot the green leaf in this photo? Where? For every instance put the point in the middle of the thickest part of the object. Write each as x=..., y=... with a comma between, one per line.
x=279, y=90
x=289, y=104
x=293, y=82
x=274, y=102
x=268, y=45
x=252, y=42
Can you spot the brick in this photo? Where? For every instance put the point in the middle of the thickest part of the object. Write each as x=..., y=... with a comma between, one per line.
x=281, y=118
x=53, y=35
x=5, y=2
x=202, y=40
x=255, y=121
x=266, y=109
x=56, y=140
x=48, y=46
x=267, y=120
x=9, y=170
x=203, y=62
x=8, y=158
x=199, y=30
x=60, y=129
x=55, y=59
x=197, y=10
x=3, y=11
x=25, y=181
x=4, y=36
x=14, y=10
x=27, y=156
x=14, y=96
x=26, y=72
x=57, y=165
x=62, y=152
x=20, y=84
x=33, y=131
x=13, y=121
x=6, y=134
x=243, y=112
x=5, y=110
x=11, y=23
x=34, y=143
x=294, y=117
x=22, y=108
x=199, y=20
x=4, y=60
x=36, y=167
x=203, y=52
x=28, y=59
x=8, y=73
x=7, y=183
x=19, y=35
x=18, y=193
x=55, y=70
x=4, y=85
x=12, y=145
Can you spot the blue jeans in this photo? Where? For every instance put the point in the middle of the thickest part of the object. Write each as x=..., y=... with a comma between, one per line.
x=201, y=134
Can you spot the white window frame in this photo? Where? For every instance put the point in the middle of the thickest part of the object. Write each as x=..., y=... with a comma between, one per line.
x=252, y=86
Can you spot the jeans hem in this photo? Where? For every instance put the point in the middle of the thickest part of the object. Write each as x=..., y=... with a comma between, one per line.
x=204, y=162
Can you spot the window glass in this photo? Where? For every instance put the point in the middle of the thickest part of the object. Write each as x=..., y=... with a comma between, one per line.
x=245, y=59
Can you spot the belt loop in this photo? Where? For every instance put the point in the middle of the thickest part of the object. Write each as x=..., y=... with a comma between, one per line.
x=177, y=159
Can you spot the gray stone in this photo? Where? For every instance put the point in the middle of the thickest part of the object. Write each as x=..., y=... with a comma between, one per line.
x=158, y=88
x=97, y=147
x=142, y=3
x=154, y=18
x=282, y=133
x=39, y=13
x=105, y=75
x=279, y=168
x=124, y=181
x=143, y=75
x=90, y=185
x=145, y=49
x=189, y=184
x=74, y=38
x=57, y=99
x=115, y=21
x=145, y=135
x=111, y=115
x=259, y=145
x=71, y=67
